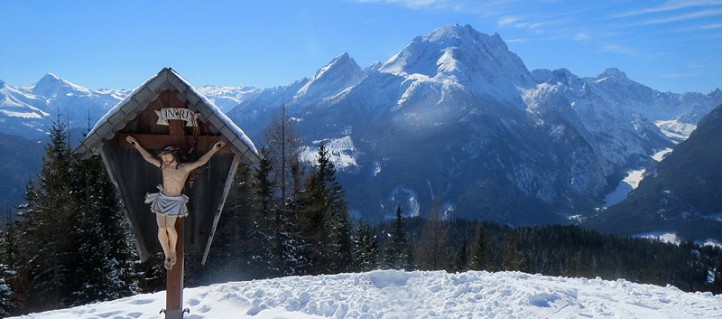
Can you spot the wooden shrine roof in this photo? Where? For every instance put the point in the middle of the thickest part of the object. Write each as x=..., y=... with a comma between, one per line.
x=167, y=79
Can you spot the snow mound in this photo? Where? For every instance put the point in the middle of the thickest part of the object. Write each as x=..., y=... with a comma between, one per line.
x=398, y=294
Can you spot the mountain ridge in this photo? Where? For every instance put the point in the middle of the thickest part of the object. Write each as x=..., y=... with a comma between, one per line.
x=456, y=120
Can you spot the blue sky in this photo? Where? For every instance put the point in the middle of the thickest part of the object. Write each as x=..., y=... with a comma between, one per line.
x=668, y=45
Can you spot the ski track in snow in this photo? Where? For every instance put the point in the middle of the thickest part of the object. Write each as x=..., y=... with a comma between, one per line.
x=398, y=294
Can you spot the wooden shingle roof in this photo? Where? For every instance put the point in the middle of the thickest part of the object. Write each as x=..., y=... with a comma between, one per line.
x=126, y=110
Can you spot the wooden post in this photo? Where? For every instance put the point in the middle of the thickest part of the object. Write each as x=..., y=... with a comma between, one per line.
x=174, y=279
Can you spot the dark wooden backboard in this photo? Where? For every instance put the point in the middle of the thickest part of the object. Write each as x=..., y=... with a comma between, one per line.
x=206, y=187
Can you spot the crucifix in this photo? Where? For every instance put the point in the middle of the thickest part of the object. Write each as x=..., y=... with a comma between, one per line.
x=167, y=112
x=169, y=205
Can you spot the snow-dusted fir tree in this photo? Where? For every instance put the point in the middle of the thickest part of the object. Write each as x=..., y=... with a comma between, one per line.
x=48, y=250
x=263, y=230
x=480, y=250
x=8, y=275
x=366, y=253
x=513, y=258
x=397, y=252
x=106, y=268
x=283, y=156
x=434, y=253
x=242, y=248
x=7, y=306
x=73, y=244
x=328, y=222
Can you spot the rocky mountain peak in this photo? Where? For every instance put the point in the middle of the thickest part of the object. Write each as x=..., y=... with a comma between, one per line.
x=51, y=84
x=342, y=72
x=612, y=73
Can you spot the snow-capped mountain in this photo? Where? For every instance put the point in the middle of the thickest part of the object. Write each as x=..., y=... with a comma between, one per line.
x=332, y=79
x=454, y=120
x=27, y=112
x=20, y=111
x=621, y=133
x=330, y=83
x=77, y=104
x=36, y=106
x=457, y=120
x=227, y=97
x=460, y=56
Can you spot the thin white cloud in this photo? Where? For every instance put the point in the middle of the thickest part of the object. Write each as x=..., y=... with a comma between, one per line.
x=620, y=49
x=681, y=75
x=581, y=36
x=671, y=6
x=414, y=4
x=517, y=40
x=711, y=26
x=508, y=20
x=687, y=16
x=706, y=27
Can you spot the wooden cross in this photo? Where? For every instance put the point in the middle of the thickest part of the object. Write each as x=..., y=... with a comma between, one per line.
x=177, y=137
x=136, y=115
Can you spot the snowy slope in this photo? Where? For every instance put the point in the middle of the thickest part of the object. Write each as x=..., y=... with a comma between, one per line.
x=396, y=294
x=20, y=111
x=631, y=181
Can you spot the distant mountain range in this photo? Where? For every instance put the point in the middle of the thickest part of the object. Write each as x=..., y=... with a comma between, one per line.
x=454, y=121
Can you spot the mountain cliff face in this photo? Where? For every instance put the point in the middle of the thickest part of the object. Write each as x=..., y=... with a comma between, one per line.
x=622, y=133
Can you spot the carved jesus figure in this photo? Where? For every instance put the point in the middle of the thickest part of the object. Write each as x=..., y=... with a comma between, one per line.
x=170, y=203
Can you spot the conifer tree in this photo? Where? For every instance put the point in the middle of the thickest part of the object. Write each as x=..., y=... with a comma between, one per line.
x=460, y=262
x=7, y=305
x=237, y=248
x=106, y=268
x=282, y=152
x=7, y=269
x=366, y=252
x=433, y=252
x=264, y=226
x=513, y=258
x=49, y=252
x=397, y=253
x=480, y=253
x=73, y=241
x=328, y=226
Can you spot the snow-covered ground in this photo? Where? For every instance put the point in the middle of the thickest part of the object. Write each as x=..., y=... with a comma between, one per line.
x=631, y=181
x=398, y=294
x=626, y=185
x=665, y=237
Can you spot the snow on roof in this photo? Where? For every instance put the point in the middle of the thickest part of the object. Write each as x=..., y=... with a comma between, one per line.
x=127, y=109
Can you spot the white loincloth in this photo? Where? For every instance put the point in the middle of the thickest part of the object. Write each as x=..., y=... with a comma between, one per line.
x=172, y=206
